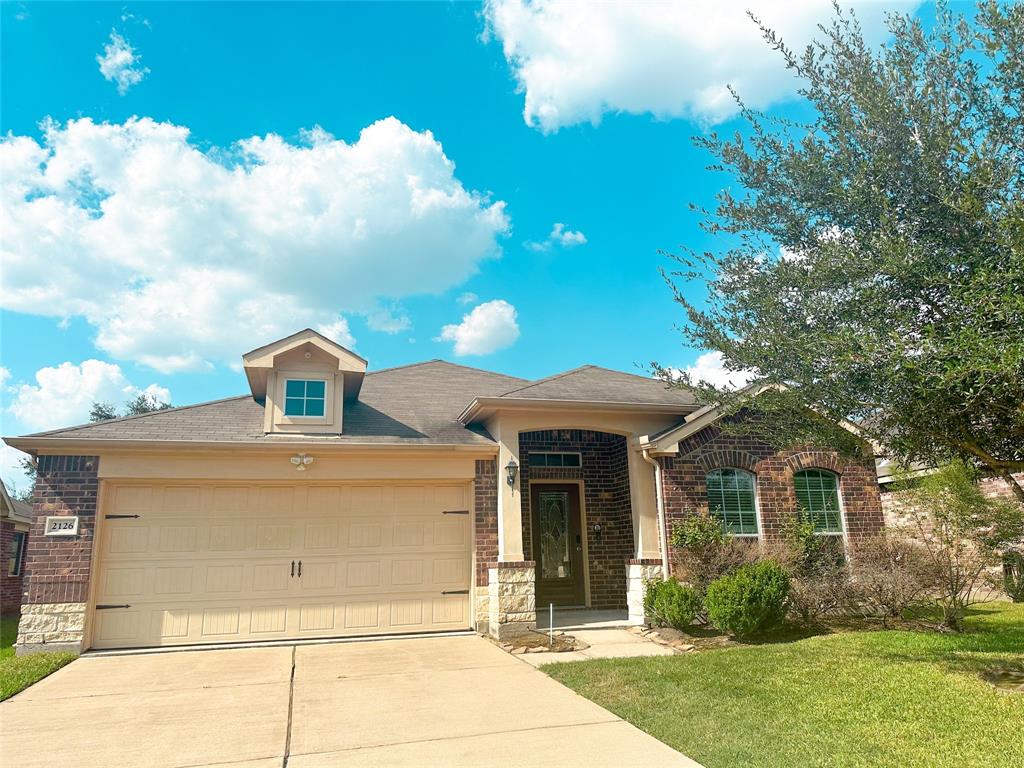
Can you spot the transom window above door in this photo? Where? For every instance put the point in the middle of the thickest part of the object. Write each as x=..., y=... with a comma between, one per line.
x=305, y=397
x=553, y=459
x=731, y=500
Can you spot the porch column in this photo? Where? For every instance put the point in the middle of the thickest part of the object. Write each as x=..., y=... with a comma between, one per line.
x=644, y=503
x=510, y=507
x=511, y=582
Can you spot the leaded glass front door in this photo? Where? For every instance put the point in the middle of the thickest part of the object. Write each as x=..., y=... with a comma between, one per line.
x=557, y=544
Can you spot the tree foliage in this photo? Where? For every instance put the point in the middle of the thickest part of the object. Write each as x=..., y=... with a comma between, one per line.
x=872, y=256
x=141, y=403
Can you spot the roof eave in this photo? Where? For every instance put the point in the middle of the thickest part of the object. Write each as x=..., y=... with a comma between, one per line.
x=481, y=405
x=79, y=446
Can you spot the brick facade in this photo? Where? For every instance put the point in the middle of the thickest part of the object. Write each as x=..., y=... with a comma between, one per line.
x=485, y=518
x=57, y=568
x=606, y=499
x=685, y=491
x=10, y=586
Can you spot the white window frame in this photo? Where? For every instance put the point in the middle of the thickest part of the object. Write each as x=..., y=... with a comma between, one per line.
x=21, y=553
x=844, y=534
x=329, y=382
x=757, y=502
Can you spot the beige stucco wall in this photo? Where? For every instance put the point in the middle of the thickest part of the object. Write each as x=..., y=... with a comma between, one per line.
x=327, y=465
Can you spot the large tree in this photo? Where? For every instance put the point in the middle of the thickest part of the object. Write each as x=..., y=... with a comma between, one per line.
x=872, y=256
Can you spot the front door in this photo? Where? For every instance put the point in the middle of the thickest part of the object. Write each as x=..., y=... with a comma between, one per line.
x=557, y=544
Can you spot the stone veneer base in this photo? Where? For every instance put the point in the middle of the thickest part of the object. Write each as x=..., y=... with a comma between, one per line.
x=51, y=627
x=638, y=573
x=511, y=604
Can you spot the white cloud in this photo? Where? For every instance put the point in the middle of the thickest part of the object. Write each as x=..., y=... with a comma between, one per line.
x=489, y=327
x=560, y=236
x=11, y=470
x=467, y=298
x=182, y=258
x=63, y=395
x=120, y=64
x=710, y=368
x=576, y=61
x=338, y=332
x=388, y=320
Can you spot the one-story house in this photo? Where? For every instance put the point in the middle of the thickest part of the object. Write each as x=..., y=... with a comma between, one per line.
x=15, y=520
x=329, y=501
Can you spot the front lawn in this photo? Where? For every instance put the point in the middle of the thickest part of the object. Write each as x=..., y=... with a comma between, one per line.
x=871, y=698
x=19, y=672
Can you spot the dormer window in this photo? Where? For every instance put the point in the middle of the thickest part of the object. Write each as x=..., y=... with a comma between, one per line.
x=305, y=397
x=303, y=383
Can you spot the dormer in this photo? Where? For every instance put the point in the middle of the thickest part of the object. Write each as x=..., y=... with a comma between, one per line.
x=303, y=382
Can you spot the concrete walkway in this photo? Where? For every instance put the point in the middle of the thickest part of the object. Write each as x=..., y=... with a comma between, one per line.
x=611, y=643
x=453, y=701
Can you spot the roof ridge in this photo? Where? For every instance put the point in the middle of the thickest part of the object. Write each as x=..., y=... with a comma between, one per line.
x=628, y=373
x=549, y=378
x=136, y=416
x=406, y=365
x=447, y=362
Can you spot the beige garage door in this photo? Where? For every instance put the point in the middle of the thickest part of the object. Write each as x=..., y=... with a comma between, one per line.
x=182, y=564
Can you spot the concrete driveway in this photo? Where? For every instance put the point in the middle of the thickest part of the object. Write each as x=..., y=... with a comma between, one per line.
x=427, y=701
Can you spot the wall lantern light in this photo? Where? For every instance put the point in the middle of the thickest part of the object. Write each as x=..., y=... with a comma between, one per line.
x=511, y=469
x=301, y=461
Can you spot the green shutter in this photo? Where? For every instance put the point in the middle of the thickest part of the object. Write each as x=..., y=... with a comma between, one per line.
x=817, y=495
x=731, y=500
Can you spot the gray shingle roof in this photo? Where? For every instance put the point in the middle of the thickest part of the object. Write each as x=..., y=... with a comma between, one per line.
x=413, y=404
x=593, y=384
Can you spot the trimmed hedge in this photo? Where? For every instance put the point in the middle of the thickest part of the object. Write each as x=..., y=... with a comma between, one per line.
x=750, y=600
x=672, y=603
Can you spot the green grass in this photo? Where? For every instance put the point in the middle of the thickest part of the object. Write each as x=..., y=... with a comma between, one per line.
x=19, y=672
x=872, y=698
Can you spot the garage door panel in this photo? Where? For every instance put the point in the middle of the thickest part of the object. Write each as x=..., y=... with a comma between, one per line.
x=225, y=563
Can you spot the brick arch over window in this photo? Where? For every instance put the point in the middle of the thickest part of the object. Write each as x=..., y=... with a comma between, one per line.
x=815, y=460
x=727, y=458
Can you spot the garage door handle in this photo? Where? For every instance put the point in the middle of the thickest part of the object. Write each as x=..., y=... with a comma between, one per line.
x=108, y=607
x=293, y=567
x=455, y=592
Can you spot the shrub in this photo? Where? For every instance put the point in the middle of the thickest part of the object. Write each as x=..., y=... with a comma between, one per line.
x=964, y=535
x=750, y=601
x=671, y=603
x=889, y=574
x=819, y=577
x=703, y=552
x=1013, y=575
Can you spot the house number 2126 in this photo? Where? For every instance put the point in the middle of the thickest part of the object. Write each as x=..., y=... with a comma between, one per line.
x=61, y=526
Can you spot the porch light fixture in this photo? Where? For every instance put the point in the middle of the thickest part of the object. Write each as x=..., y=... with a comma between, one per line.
x=301, y=461
x=511, y=469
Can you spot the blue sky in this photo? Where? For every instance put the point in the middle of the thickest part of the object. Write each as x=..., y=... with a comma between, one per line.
x=429, y=235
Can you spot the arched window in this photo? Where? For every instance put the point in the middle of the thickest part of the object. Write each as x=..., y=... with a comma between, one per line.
x=817, y=495
x=731, y=500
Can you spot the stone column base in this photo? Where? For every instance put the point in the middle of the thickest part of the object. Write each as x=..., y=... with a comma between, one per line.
x=638, y=573
x=481, y=608
x=51, y=627
x=512, y=605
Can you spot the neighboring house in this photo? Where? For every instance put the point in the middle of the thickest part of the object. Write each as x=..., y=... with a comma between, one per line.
x=329, y=501
x=15, y=519
x=895, y=510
